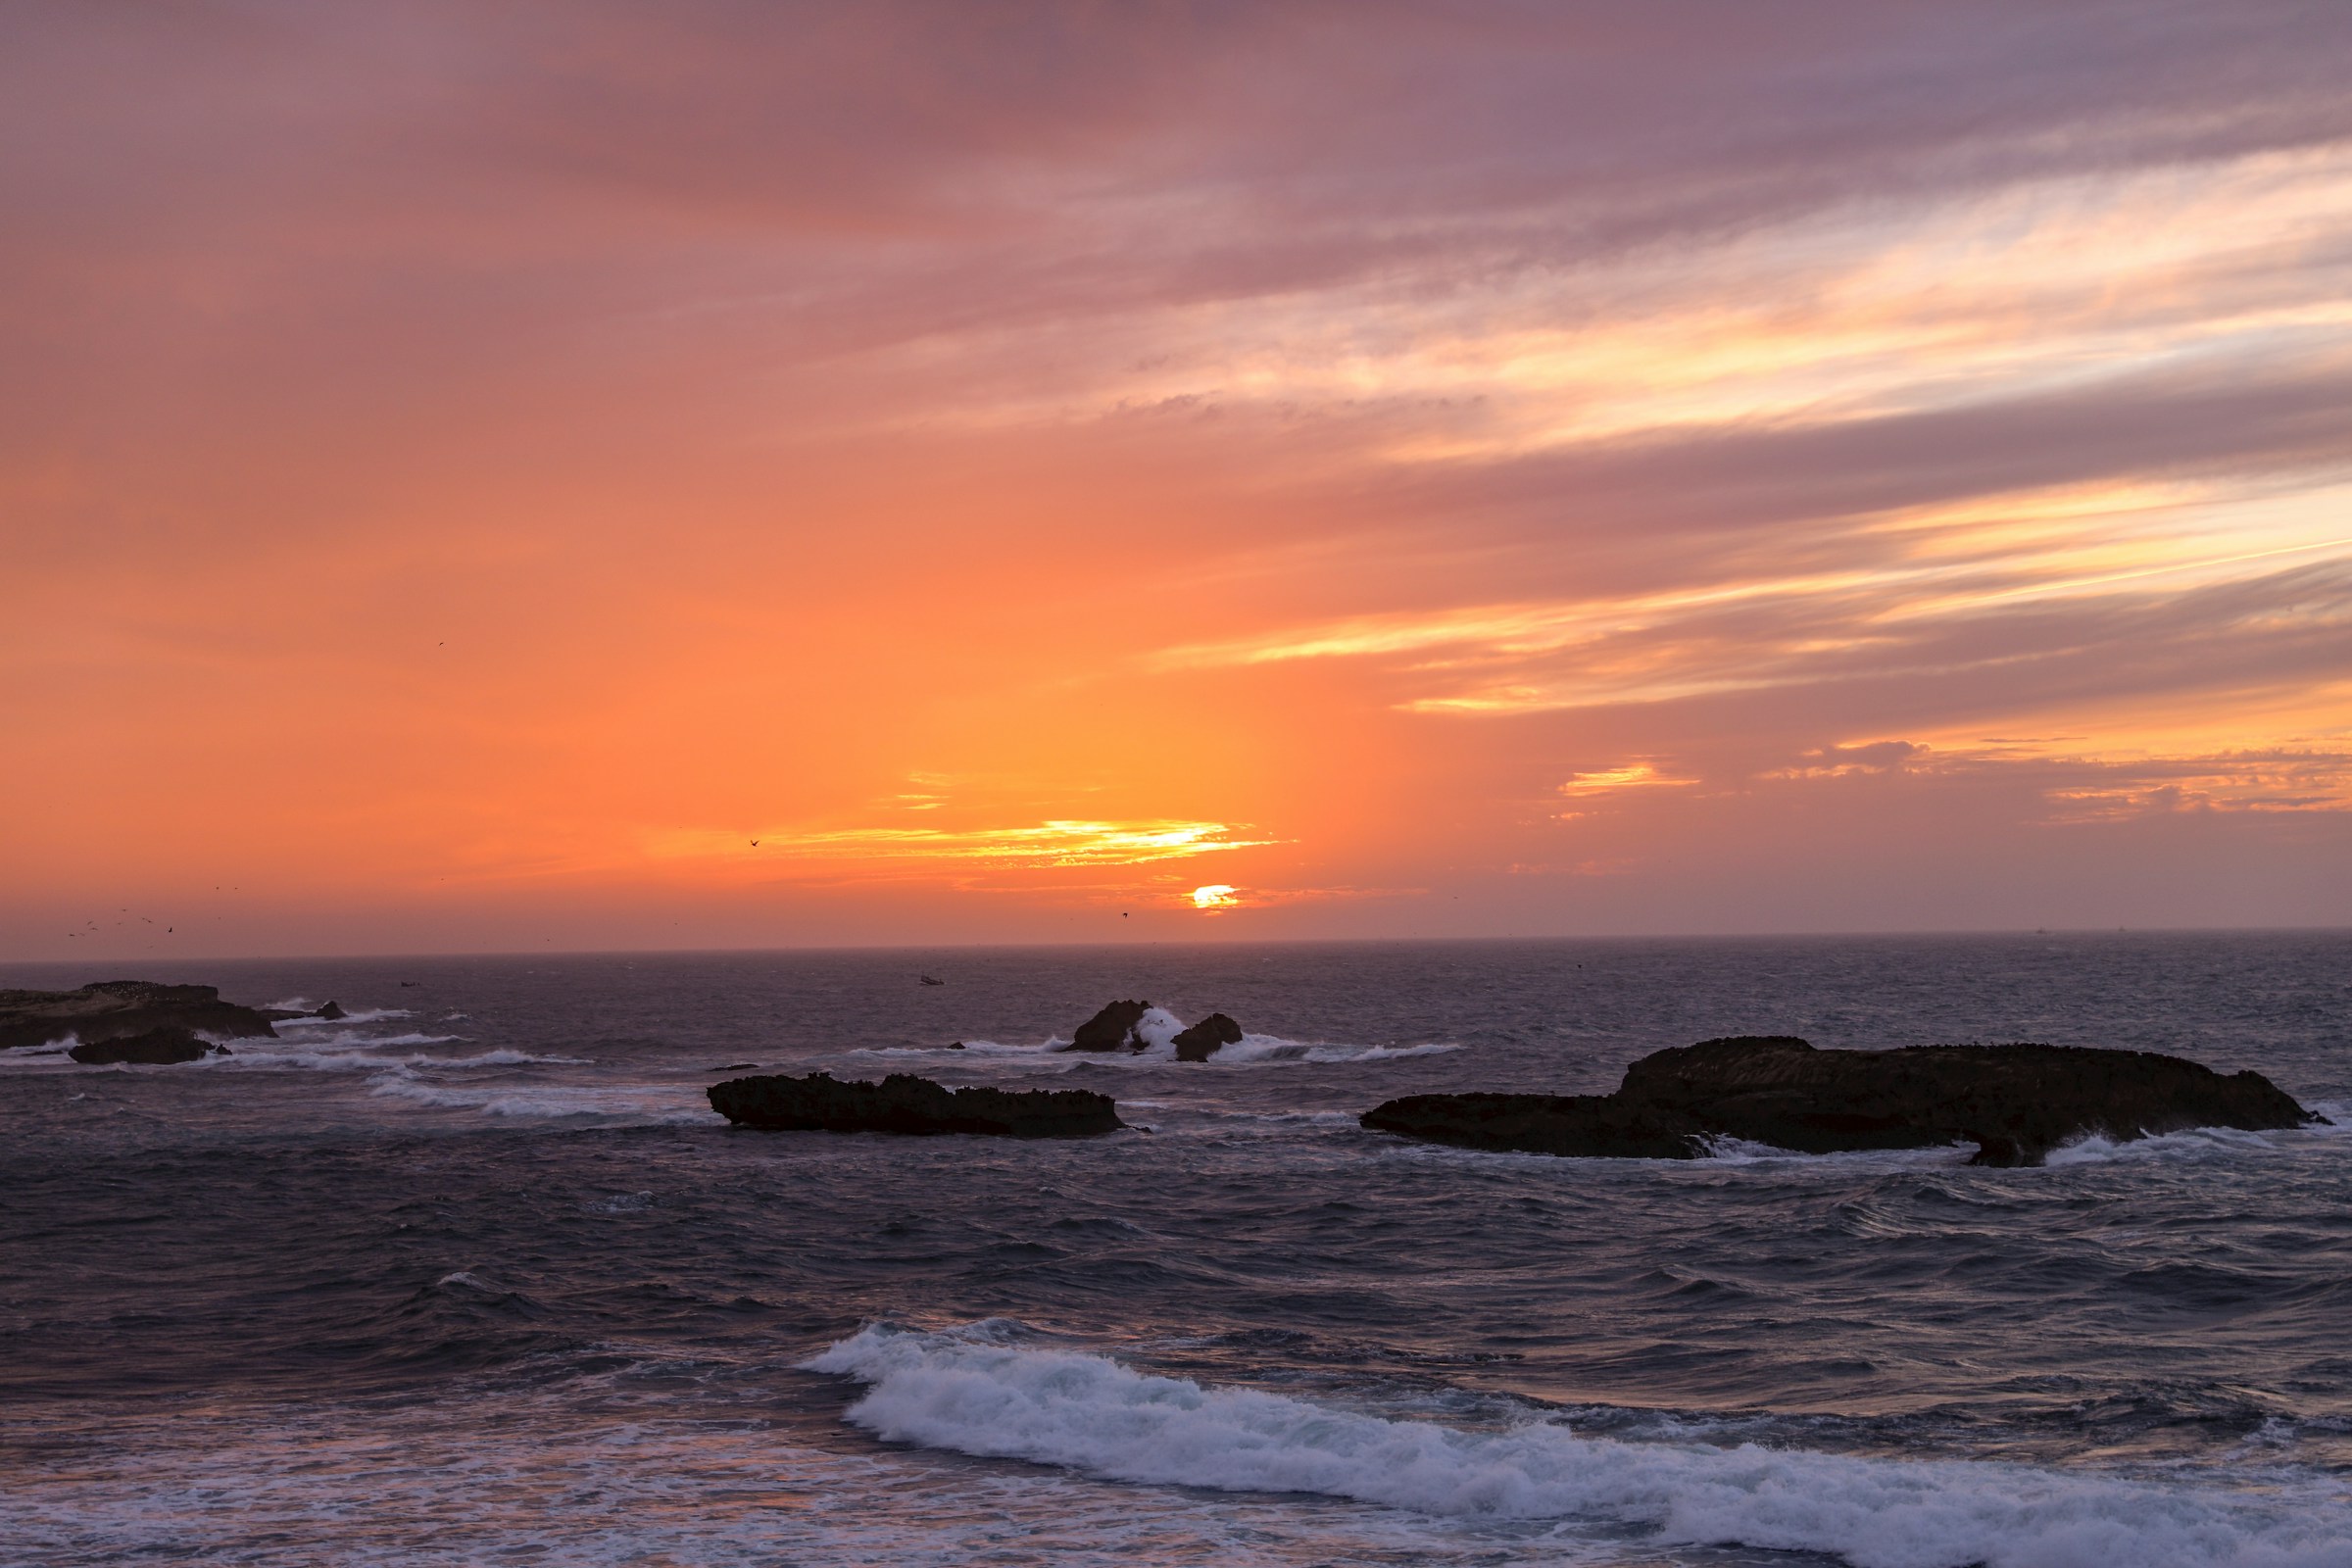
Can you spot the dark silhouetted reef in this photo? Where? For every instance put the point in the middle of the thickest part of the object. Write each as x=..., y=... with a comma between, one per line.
x=904, y=1103
x=2016, y=1103
x=156, y=1048
x=118, y=1010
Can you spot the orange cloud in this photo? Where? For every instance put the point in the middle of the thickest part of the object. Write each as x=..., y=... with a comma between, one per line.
x=466, y=475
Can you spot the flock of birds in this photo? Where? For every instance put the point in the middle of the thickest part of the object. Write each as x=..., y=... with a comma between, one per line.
x=94, y=926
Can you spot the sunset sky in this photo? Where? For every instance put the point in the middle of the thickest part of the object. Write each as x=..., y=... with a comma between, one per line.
x=468, y=472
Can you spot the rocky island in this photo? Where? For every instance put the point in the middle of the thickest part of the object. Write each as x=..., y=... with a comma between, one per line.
x=904, y=1103
x=2015, y=1103
x=1119, y=1027
x=1114, y=1028
x=129, y=1020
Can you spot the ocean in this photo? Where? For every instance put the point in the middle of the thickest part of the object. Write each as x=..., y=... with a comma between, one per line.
x=475, y=1275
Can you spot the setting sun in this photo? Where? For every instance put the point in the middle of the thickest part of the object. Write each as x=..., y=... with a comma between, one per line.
x=1216, y=896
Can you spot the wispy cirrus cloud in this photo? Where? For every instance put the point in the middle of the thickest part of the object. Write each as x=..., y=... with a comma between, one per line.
x=1052, y=844
x=2088, y=584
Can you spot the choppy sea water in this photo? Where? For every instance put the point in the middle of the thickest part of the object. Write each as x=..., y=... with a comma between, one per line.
x=475, y=1275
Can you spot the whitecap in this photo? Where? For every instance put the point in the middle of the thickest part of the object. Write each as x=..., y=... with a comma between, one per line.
x=350, y=1019
x=640, y=1105
x=621, y=1204
x=1728, y=1151
x=1159, y=1028
x=2097, y=1149
x=978, y=1392
x=353, y=1056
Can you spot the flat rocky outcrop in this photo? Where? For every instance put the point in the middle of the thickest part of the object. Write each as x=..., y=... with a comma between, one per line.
x=115, y=1009
x=155, y=1048
x=904, y=1103
x=2015, y=1103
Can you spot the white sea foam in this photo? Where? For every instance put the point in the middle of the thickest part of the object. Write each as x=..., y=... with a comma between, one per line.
x=973, y=1392
x=1271, y=1048
x=639, y=1105
x=1724, y=1150
x=2338, y=1114
x=355, y=1018
x=2097, y=1148
x=2205, y=1143
x=1158, y=1029
x=361, y=1055
x=472, y=1477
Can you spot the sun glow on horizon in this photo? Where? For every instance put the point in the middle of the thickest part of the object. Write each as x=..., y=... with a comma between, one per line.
x=1054, y=843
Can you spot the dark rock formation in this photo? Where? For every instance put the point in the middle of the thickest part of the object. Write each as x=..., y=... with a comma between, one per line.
x=2014, y=1103
x=331, y=1012
x=1590, y=1125
x=904, y=1103
x=168, y=1044
x=1206, y=1038
x=1111, y=1029
x=113, y=1009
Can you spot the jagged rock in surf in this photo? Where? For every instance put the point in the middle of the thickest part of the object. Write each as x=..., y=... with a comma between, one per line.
x=331, y=1012
x=2015, y=1103
x=904, y=1103
x=115, y=1009
x=157, y=1047
x=1206, y=1038
x=1111, y=1029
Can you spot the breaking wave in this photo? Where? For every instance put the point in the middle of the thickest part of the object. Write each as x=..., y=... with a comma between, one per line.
x=356, y=1056
x=1158, y=1029
x=648, y=1105
x=976, y=1392
x=351, y=1019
